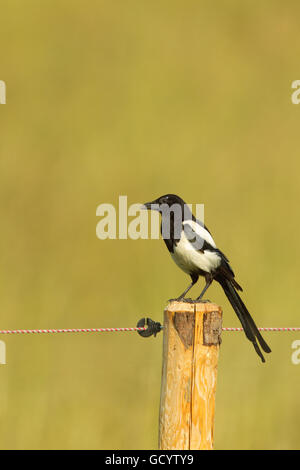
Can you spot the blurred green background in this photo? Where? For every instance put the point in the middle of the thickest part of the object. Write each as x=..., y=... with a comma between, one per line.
x=142, y=98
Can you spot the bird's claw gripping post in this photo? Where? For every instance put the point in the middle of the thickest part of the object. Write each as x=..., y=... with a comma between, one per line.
x=154, y=327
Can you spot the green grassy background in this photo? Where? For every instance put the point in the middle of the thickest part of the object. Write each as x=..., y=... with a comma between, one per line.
x=144, y=98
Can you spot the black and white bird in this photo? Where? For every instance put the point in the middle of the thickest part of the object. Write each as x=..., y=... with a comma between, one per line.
x=193, y=249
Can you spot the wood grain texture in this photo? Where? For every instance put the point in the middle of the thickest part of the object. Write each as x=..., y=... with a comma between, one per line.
x=189, y=374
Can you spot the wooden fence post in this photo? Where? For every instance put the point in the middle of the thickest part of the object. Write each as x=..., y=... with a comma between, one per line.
x=189, y=374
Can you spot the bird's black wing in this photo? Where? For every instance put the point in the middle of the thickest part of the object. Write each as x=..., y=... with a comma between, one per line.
x=200, y=244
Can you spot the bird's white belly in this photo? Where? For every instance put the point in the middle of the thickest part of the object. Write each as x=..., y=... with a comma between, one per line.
x=191, y=260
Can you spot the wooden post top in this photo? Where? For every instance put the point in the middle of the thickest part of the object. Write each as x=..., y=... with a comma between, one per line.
x=180, y=306
x=184, y=313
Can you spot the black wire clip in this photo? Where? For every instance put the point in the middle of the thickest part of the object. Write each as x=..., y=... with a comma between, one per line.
x=154, y=327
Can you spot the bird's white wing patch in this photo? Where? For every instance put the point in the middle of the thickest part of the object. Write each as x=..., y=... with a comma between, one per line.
x=189, y=259
x=201, y=231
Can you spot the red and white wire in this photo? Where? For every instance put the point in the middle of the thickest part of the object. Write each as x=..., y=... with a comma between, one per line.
x=70, y=330
x=109, y=330
x=266, y=329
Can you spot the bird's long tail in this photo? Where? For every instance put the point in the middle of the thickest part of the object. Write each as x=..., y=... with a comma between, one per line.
x=244, y=316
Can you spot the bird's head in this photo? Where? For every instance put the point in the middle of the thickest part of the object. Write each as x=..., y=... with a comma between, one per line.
x=168, y=200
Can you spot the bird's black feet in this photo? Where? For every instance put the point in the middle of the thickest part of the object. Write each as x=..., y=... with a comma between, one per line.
x=190, y=301
x=181, y=299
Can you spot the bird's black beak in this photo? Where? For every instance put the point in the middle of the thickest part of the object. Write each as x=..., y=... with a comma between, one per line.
x=147, y=206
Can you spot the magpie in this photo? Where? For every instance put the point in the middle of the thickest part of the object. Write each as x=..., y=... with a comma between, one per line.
x=193, y=249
